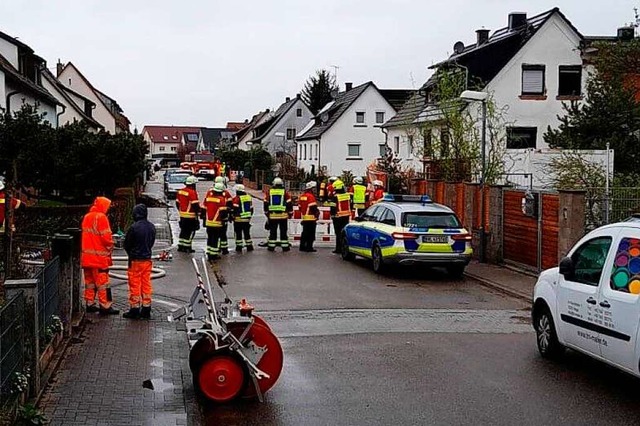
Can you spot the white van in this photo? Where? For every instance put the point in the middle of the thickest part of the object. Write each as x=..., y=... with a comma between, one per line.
x=591, y=302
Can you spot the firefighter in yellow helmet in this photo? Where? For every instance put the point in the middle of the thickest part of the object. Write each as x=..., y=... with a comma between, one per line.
x=340, y=212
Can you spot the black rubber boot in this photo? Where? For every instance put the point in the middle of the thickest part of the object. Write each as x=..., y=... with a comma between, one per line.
x=109, y=311
x=133, y=313
x=238, y=249
x=92, y=308
x=145, y=312
x=249, y=248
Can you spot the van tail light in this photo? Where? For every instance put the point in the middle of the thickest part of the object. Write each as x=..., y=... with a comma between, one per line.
x=404, y=236
x=461, y=237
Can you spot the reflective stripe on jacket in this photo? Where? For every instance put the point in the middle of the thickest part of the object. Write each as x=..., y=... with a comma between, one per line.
x=216, y=210
x=359, y=196
x=97, y=240
x=242, y=208
x=308, y=207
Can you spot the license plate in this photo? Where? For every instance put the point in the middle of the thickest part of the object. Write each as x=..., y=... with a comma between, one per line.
x=438, y=239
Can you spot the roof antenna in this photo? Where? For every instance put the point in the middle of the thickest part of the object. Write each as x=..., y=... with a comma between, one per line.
x=335, y=72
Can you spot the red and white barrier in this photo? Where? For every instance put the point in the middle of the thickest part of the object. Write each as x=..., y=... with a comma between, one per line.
x=324, y=227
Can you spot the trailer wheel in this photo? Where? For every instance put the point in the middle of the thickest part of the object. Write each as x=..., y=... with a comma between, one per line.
x=201, y=351
x=221, y=378
x=271, y=362
x=257, y=320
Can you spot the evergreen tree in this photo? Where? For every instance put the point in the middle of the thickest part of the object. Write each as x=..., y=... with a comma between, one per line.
x=317, y=90
x=611, y=110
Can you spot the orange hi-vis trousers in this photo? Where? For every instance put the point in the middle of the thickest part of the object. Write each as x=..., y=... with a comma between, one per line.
x=97, y=281
x=139, y=274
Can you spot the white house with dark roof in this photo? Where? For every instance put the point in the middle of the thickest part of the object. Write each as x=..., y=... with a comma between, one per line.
x=277, y=133
x=242, y=138
x=531, y=66
x=107, y=111
x=346, y=133
x=21, y=79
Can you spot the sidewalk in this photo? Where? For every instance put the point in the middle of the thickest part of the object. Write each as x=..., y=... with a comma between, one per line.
x=122, y=372
x=503, y=279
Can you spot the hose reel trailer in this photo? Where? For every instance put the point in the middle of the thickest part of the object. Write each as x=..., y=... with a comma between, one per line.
x=233, y=352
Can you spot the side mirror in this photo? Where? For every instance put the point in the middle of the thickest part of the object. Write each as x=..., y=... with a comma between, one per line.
x=566, y=267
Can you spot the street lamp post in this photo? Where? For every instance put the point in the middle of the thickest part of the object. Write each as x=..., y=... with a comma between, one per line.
x=474, y=96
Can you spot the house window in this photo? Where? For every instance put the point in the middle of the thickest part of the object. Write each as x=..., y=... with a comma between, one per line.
x=174, y=149
x=521, y=137
x=396, y=145
x=533, y=80
x=379, y=117
x=444, y=142
x=291, y=134
x=383, y=149
x=166, y=138
x=316, y=151
x=570, y=80
x=360, y=117
x=299, y=112
x=410, y=146
x=304, y=155
x=353, y=150
x=161, y=148
x=427, y=146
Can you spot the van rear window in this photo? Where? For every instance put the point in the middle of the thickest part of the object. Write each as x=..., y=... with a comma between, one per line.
x=430, y=220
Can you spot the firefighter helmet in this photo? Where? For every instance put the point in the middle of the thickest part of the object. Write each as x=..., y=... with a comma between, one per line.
x=219, y=179
x=310, y=185
x=191, y=180
x=278, y=182
x=357, y=180
x=377, y=183
x=338, y=184
x=218, y=187
x=240, y=187
x=333, y=179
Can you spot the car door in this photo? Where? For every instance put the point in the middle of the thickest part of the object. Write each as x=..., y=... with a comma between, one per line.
x=578, y=294
x=360, y=234
x=619, y=302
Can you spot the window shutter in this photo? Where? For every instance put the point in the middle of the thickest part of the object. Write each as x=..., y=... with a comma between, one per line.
x=532, y=81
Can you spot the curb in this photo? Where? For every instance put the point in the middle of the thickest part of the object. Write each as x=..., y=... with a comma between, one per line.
x=499, y=287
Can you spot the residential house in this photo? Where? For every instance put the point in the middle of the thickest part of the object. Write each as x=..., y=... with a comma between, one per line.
x=243, y=136
x=107, y=111
x=21, y=79
x=277, y=134
x=346, y=133
x=235, y=126
x=73, y=106
x=165, y=142
x=212, y=139
x=531, y=66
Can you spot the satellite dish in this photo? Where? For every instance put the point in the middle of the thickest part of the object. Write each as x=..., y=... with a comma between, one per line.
x=458, y=47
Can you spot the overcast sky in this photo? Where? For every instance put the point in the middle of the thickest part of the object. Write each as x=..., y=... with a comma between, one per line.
x=206, y=62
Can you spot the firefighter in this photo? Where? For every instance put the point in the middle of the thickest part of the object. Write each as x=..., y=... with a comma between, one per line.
x=360, y=195
x=215, y=214
x=378, y=191
x=309, y=213
x=328, y=201
x=278, y=205
x=138, y=244
x=223, y=170
x=95, y=259
x=242, y=213
x=15, y=203
x=340, y=213
x=188, y=208
x=224, y=240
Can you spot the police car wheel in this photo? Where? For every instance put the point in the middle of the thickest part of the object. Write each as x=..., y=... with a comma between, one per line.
x=376, y=259
x=546, y=338
x=346, y=254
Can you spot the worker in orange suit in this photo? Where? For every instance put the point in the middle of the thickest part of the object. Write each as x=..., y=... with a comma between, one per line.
x=309, y=213
x=138, y=243
x=95, y=259
x=15, y=203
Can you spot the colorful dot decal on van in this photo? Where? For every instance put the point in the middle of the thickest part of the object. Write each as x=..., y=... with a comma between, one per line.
x=625, y=275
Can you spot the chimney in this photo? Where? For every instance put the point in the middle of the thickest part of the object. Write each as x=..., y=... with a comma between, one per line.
x=59, y=68
x=298, y=96
x=287, y=99
x=348, y=86
x=626, y=33
x=517, y=20
x=483, y=36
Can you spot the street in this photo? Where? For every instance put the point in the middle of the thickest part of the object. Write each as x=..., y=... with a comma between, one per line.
x=410, y=347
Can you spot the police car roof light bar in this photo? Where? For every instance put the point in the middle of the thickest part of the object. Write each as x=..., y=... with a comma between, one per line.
x=398, y=198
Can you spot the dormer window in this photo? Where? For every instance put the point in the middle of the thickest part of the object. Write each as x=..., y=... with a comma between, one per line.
x=166, y=138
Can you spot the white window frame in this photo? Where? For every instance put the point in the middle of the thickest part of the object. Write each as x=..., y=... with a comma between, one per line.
x=396, y=145
x=317, y=147
x=354, y=144
x=304, y=156
x=174, y=148
x=364, y=118
x=291, y=132
x=533, y=80
x=299, y=112
x=383, y=114
x=161, y=148
x=382, y=150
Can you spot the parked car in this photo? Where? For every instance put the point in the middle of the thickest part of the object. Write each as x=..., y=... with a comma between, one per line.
x=206, y=174
x=175, y=183
x=408, y=230
x=591, y=301
x=171, y=172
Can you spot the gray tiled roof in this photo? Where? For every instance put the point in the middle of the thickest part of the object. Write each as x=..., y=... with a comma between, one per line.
x=409, y=111
x=341, y=103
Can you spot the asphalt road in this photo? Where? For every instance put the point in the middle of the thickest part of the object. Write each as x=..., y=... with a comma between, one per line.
x=410, y=347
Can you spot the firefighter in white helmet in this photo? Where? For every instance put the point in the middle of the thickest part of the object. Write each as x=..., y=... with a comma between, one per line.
x=309, y=214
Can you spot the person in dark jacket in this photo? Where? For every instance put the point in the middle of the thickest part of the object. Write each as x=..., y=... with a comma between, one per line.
x=138, y=243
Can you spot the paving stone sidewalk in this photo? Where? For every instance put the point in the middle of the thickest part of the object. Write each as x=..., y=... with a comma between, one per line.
x=100, y=381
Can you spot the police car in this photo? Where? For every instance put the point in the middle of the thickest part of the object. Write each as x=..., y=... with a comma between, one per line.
x=591, y=302
x=408, y=230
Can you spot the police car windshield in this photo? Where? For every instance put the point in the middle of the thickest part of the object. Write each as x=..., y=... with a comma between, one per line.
x=430, y=220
